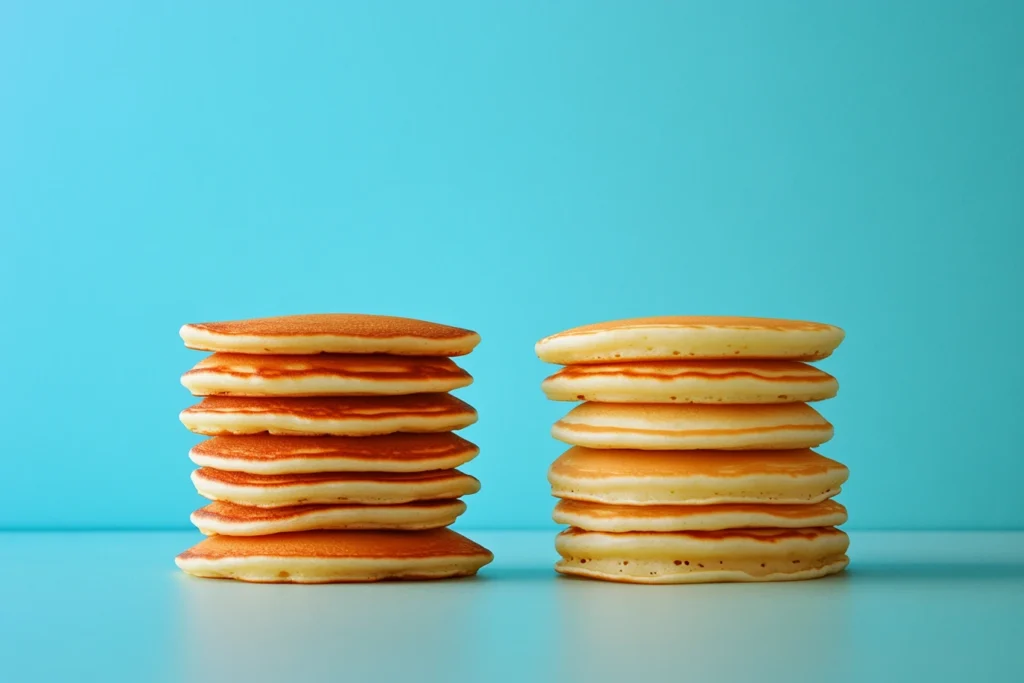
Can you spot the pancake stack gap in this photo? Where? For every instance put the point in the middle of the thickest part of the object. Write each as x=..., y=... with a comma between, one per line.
x=332, y=453
x=690, y=457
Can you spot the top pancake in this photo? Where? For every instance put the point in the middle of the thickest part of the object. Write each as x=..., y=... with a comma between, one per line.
x=326, y=374
x=331, y=333
x=691, y=337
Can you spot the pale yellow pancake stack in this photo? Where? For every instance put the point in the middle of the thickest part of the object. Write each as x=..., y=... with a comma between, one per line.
x=332, y=453
x=690, y=456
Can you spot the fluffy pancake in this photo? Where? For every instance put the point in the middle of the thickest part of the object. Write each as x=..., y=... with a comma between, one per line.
x=635, y=477
x=619, y=518
x=659, y=426
x=703, y=556
x=331, y=333
x=337, y=415
x=326, y=374
x=231, y=519
x=707, y=381
x=268, y=454
x=368, y=488
x=335, y=556
x=691, y=337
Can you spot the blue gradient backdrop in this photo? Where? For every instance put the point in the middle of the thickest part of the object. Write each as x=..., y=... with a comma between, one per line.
x=516, y=168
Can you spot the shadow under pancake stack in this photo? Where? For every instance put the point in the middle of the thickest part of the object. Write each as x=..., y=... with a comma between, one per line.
x=690, y=458
x=333, y=449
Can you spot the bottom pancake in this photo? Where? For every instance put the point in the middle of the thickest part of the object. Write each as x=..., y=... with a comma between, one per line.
x=619, y=518
x=336, y=556
x=703, y=556
x=230, y=519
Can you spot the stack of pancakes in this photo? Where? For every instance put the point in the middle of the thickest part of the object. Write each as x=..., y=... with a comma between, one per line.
x=333, y=454
x=690, y=458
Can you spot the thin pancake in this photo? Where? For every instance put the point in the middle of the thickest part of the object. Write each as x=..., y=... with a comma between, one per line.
x=268, y=454
x=328, y=488
x=707, y=381
x=619, y=518
x=665, y=426
x=326, y=374
x=331, y=333
x=230, y=519
x=703, y=556
x=635, y=477
x=341, y=416
x=336, y=556
x=691, y=337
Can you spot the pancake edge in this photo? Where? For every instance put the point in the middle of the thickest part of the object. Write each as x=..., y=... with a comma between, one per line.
x=728, y=520
x=228, y=424
x=268, y=569
x=321, y=520
x=782, y=437
x=336, y=493
x=204, y=340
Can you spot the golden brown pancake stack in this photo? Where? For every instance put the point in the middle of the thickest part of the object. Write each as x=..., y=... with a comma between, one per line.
x=690, y=458
x=332, y=450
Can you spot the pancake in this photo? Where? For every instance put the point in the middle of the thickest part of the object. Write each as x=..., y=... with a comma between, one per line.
x=708, y=381
x=683, y=337
x=660, y=426
x=634, y=477
x=267, y=454
x=326, y=374
x=231, y=519
x=703, y=556
x=331, y=333
x=619, y=518
x=328, y=488
x=339, y=415
x=336, y=556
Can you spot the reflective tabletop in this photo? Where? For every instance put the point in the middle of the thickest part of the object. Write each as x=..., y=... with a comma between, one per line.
x=113, y=607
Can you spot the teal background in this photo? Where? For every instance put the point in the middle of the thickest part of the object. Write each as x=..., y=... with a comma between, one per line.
x=516, y=168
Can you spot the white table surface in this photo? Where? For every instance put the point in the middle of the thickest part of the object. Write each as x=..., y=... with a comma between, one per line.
x=112, y=607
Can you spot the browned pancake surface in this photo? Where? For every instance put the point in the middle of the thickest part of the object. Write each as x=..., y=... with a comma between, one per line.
x=751, y=418
x=337, y=407
x=712, y=370
x=233, y=512
x=265, y=447
x=699, y=322
x=603, y=511
x=353, y=366
x=279, y=480
x=338, y=544
x=593, y=463
x=769, y=536
x=336, y=324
